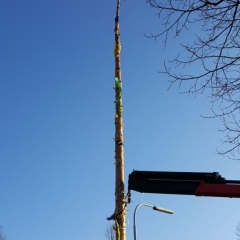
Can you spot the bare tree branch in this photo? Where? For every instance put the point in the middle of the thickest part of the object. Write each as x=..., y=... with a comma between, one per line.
x=110, y=233
x=238, y=231
x=215, y=53
x=2, y=236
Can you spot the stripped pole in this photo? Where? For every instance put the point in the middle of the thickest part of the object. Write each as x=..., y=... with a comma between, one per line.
x=119, y=149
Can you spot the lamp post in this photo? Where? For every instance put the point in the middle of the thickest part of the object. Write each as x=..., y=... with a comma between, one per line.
x=164, y=210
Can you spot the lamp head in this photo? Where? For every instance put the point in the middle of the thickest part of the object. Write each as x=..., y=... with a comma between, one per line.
x=163, y=210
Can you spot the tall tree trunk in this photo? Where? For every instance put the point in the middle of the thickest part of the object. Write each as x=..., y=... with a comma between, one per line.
x=119, y=151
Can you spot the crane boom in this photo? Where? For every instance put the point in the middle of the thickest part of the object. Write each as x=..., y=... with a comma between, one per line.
x=184, y=183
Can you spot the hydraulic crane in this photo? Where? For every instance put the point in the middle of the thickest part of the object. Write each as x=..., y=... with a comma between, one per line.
x=184, y=183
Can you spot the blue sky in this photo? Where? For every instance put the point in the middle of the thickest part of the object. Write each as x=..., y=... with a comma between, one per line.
x=57, y=125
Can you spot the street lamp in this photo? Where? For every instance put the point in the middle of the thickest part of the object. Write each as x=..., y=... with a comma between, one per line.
x=147, y=205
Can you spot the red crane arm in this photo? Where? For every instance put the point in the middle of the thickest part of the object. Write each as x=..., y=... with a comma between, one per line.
x=218, y=190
